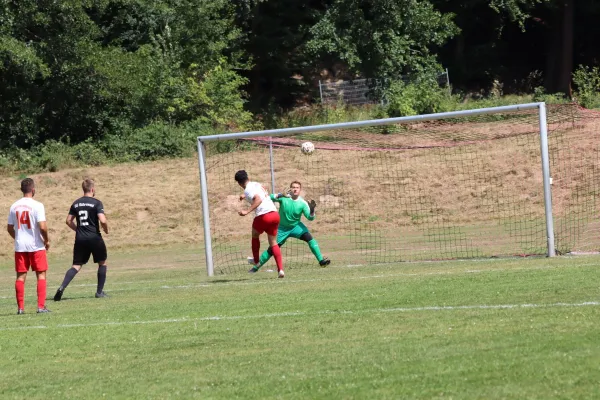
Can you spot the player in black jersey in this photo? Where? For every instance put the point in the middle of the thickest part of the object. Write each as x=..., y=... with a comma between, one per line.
x=89, y=214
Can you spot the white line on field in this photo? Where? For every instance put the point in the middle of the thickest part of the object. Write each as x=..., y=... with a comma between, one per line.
x=353, y=278
x=301, y=313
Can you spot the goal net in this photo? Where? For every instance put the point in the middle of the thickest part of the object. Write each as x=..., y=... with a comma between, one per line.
x=468, y=184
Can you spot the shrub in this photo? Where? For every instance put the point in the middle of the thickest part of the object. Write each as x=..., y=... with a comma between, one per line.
x=422, y=97
x=539, y=94
x=587, y=81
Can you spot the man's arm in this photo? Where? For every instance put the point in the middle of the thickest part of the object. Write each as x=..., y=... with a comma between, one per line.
x=71, y=222
x=11, y=230
x=309, y=210
x=44, y=231
x=103, y=222
x=277, y=196
x=255, y=203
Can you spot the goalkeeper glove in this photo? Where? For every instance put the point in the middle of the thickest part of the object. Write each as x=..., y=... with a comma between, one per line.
x=311, y=205
x=288, y=193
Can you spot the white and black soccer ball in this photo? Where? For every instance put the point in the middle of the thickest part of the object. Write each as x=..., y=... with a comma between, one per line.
x=307, y=148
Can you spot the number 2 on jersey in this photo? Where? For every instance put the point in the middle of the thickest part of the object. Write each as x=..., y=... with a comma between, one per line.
x=23, y=219
x=83, y=216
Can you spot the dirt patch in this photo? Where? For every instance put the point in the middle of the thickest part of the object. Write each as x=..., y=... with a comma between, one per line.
x=147, y=204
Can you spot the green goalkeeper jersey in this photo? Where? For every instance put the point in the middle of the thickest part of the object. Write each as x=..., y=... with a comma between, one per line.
x=290, y=210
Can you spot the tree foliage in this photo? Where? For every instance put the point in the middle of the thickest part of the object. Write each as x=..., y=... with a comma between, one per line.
x=75, y=70
x=82, y=71
x=382, y=38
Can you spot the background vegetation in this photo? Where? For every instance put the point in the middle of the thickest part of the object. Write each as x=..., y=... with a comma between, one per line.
x=93, y=81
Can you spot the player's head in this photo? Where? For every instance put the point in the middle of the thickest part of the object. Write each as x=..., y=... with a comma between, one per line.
x=88, y=187
x=28, y=187
x=295, y=188
x=241, y=177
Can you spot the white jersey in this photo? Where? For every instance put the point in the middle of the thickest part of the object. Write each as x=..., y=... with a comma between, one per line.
x=24, y=216
x=256, y=189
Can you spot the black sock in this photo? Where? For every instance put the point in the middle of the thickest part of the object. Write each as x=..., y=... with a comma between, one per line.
x=101, y=278
x=69, y=277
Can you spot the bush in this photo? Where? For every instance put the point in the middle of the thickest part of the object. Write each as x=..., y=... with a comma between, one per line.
x=539, y=94
x=319, y=114
x=422, y=97
x=587, y=81
x=155, y=141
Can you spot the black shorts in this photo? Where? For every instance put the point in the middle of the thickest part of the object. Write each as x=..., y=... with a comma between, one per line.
x=84, y=248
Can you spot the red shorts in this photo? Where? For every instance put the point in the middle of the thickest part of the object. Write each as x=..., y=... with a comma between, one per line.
x=36, y=260
x=267, y=223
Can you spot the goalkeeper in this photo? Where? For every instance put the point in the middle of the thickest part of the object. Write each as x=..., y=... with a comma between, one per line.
x=291, y=209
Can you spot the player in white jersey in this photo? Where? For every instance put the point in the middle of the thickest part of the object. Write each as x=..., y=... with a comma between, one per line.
x=266, y=217
x=27, y=226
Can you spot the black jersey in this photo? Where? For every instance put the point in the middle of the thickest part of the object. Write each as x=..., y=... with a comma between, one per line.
x=86, y=210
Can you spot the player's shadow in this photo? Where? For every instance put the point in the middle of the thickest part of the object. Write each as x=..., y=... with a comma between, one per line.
x=69, y=298
x=226, y=280
x=12, y=314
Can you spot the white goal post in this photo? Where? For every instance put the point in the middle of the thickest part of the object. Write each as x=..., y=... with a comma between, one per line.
x=269, y=146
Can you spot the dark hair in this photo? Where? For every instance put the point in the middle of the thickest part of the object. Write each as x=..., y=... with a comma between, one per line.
x=87, y=185
x=297, y=182
x=241, y=176
x=27, y=185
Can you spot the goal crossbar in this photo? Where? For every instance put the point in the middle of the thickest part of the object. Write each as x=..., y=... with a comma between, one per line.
x=370, y=122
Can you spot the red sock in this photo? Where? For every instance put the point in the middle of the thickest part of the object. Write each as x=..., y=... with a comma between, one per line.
x=41, y=292
x=20, y=289
x=277, y=254
x=256, y=249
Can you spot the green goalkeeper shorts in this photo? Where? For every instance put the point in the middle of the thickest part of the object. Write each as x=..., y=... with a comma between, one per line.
x=285, y=232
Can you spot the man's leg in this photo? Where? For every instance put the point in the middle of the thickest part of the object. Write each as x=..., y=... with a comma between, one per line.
x=71, y=272
x=272, y=223
x=312, y=244
x=101, y=279
x=255, y=245
x=22, y=264
x=39, y=263
x=20, y=291
x=100, y=256
x=314, y=248
x=277, y=254
x=81, y=255
x=41, y=292
x=282, y=235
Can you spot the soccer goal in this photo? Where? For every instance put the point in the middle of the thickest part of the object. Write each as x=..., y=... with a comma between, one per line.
x=466, y=184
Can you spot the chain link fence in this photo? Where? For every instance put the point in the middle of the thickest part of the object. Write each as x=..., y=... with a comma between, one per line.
x=363, y=91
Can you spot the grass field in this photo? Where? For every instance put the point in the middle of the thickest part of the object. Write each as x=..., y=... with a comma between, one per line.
x=485, y=329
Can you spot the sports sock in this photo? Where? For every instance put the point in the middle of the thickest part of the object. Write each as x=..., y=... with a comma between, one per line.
x=68, y=277
x=255, y=249
x=277, y=254
x=41, y=293
x=314, y=248
x=101, y=278
x=264, y=257
x=20, y=289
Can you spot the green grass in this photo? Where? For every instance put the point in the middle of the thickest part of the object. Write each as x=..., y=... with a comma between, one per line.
x=168, y=331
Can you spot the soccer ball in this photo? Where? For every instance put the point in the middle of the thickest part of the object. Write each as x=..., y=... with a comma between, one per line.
x=307, y=148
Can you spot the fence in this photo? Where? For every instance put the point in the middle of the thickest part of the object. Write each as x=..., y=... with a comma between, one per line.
x=362, y=91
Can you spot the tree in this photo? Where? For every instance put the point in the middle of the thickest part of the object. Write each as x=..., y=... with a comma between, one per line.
x=508, y=39
x=382, y=38
x=75, y=70
x=275, y=36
